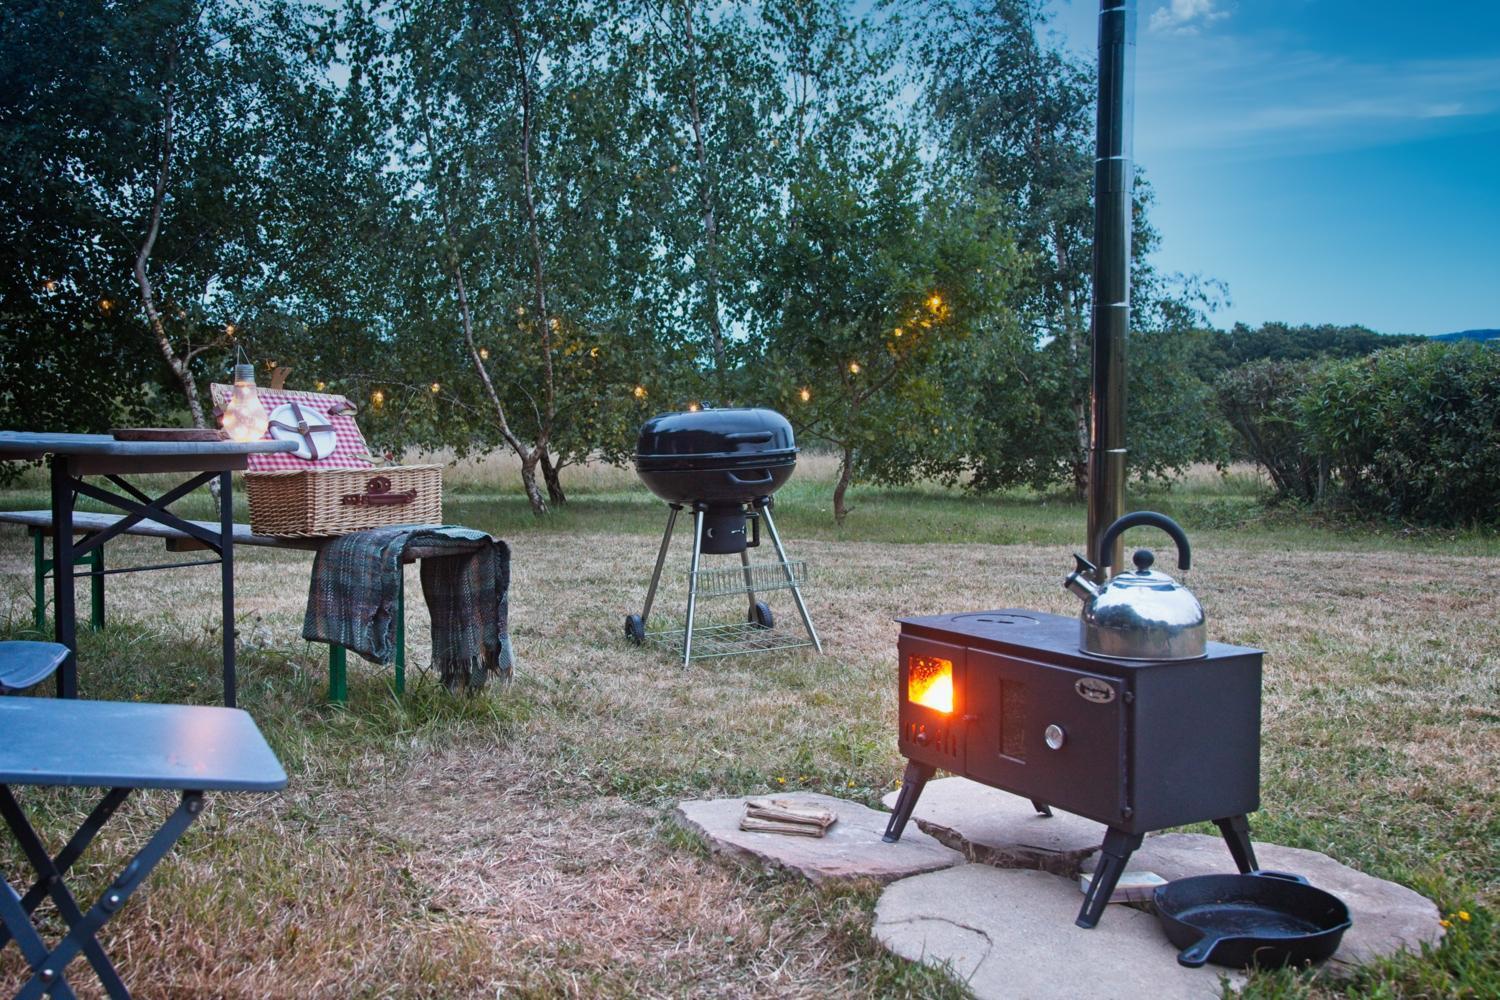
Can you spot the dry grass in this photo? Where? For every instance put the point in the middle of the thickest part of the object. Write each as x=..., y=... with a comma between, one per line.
x=518, y=844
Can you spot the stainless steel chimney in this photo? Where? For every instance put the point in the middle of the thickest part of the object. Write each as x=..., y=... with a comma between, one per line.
x=1111, y=274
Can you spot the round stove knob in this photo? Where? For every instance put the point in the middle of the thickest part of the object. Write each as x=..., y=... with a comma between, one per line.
x=1055, y=736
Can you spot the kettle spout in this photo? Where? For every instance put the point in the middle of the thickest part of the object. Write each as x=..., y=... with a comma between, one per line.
x=1080, y=580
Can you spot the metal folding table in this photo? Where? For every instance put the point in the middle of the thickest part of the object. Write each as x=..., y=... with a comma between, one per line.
x=119, y=746
x=75, y=456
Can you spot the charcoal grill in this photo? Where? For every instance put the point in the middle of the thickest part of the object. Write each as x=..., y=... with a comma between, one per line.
x=724, y=465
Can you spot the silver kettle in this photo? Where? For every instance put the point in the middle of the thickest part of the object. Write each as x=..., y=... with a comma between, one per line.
x=1140, y=614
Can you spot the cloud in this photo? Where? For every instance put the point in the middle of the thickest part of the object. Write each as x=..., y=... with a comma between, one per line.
x=1185, y=17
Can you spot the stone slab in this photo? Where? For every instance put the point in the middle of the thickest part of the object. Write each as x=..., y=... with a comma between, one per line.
x=1387, y=917
x=852, y=847
x=1009, y=934
x=1001, y=829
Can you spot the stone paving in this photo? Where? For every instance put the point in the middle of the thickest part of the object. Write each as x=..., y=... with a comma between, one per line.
x=1005, y=925
x=852, y=848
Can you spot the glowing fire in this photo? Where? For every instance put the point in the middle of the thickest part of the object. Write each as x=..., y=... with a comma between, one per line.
x=929, y=681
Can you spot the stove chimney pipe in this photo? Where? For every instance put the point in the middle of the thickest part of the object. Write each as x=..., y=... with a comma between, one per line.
x=1111, y=274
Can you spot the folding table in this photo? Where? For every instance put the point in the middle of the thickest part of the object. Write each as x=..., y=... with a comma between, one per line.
x=75, y=456
x=119, y=746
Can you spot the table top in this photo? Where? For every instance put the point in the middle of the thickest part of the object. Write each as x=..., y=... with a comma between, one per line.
x=37, y=444
x=121, y=744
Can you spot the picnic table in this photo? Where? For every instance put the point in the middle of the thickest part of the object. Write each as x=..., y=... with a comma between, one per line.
x=76, y=456
x=122, y=747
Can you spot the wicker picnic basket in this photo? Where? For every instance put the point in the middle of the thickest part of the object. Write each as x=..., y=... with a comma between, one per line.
x=318, y=491
x=341, y=501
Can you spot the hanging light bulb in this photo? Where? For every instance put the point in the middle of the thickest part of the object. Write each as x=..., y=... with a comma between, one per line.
x=245, y=418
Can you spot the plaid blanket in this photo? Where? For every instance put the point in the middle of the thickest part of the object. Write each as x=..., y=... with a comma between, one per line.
x=352, y=598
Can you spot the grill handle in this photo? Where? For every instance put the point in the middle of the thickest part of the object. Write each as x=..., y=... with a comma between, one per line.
x=749, y=437
x=764, y=477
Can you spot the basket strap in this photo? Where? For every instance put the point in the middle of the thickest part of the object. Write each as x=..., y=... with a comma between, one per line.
x=303, y=429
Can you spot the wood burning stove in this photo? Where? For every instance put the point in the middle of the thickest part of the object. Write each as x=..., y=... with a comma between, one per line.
x=1007, y=698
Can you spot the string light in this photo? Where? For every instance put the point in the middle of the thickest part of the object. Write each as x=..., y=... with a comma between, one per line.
x=484, y=354
x=378, y=398
x=229, y=329
x=639, y=392
x=935, y=303
x=898, y=331
x=520, y=310
x=553, y=323
x=320, y=385
x=105, y=305
x=436, y=388
x=50, y=285
x=270, y=366
x=854, y=368
x=805, y=394
x=694, y=407
x=593, y=352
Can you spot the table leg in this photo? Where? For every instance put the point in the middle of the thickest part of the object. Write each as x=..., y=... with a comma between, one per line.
x=226, y=572
x=65, y=628
x=82, y=933
x=51, y=883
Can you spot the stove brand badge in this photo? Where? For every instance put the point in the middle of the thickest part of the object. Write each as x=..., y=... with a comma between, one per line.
x=1094, y=690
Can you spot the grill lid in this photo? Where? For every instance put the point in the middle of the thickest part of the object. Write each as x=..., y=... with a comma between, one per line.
x=738, y=433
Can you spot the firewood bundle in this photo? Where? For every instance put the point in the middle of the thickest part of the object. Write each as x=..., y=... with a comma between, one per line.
x=786, y=816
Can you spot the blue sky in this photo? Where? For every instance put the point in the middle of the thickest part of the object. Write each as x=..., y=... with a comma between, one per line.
x=1330, y=161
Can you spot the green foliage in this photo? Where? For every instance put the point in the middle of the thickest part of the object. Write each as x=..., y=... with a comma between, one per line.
x=1217, y=351
x=1414, y=432
x=1262, y=401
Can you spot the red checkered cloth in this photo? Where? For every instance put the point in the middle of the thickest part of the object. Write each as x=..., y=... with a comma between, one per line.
x=349, y=451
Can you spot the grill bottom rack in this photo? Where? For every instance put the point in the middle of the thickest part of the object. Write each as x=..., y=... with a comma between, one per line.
x=747, y=580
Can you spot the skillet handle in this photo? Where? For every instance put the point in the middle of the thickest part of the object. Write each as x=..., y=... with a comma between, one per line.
x=1284, y=876
x=1195, y=954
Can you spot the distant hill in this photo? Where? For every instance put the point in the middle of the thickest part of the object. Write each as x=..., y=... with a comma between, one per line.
x=1488, y=336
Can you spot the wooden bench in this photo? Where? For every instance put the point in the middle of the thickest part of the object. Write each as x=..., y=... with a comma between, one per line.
x=38, y=524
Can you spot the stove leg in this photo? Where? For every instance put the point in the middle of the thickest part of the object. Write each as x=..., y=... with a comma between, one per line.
x=1042, y=808
x=1236, y=831
x=912, y=783
x=1113, y=855
x=661, y=559
x=692, y=602
x=812, y=633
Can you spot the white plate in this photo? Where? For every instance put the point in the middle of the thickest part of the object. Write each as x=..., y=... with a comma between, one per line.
x=319, y=430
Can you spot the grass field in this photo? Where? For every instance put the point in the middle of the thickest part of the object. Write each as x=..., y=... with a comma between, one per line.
x=518, y=844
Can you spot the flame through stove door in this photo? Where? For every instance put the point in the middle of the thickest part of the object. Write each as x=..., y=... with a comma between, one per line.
x=929, y=682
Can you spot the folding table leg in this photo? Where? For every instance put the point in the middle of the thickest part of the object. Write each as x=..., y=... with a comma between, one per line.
x=95, y=559
x=40, y=564
x=401, y=629
x=82, y=932
x=64, y=627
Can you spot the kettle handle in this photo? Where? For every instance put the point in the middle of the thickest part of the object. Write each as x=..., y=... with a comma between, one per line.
x=1145, y=518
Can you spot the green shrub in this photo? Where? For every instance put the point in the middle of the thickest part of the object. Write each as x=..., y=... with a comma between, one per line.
x=1413, y=432
x=1262, y=402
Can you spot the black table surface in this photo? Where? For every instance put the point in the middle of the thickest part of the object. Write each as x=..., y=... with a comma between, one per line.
x=114, y=744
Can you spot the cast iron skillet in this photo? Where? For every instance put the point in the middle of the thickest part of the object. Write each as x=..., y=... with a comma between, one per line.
x=1265, y=918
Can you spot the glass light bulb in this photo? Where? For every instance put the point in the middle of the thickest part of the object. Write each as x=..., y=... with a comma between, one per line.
x=245, y=418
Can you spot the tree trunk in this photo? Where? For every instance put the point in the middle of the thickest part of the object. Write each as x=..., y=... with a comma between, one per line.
x=552, y=474
x=707, y=217
x=178, y=363
x=846, y=475
x=528, y=482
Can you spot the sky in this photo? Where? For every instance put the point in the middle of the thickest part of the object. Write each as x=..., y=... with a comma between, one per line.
x=1330, y=161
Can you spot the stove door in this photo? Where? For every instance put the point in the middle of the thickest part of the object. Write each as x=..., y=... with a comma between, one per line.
x=1049, y=733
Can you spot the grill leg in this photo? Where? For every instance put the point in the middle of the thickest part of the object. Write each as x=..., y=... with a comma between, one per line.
x=1236, y=831
x=1042, y=808
x=661, y=559
x=913, y=780
x=692, y=602
x=1117, y=849
x=749, y=580
x=812, y=633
